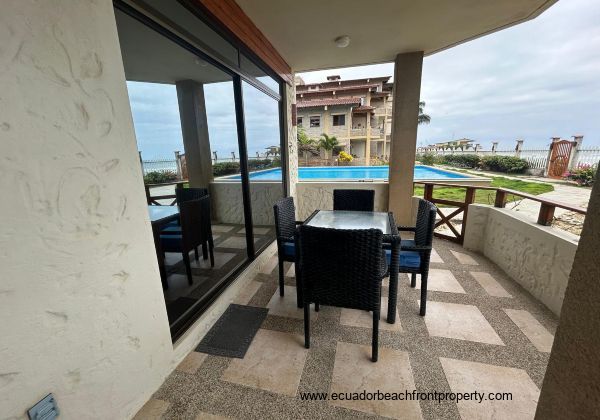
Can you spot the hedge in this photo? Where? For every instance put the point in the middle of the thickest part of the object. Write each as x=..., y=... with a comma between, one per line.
x=160, y=177
x=461, y=161
x=230, y=168
x=495, y=163
x=226, y=168
x=509, y=164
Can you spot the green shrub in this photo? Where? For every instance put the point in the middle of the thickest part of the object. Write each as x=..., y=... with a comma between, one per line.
x=226, y=168
x=584, y=175
x=461, y=161
x=427, y=159
x=160, y=177
x=509, y=164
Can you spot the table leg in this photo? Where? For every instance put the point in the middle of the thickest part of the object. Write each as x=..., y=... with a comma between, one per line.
x=160, y=257
x=393, y=289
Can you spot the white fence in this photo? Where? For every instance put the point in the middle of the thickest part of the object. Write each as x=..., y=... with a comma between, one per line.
x=160, y=165
x=536, y=158
x=586, y=156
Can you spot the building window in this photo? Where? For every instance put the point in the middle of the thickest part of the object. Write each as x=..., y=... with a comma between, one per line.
x=299, y=121
x=315, y=121
x=339, y=120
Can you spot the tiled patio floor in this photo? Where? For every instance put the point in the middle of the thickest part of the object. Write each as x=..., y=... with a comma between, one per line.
x=482, y=332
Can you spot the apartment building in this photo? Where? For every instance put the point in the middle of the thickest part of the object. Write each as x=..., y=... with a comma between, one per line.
x=357, y=112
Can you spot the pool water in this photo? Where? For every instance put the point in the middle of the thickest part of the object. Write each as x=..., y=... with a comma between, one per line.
x=353, y=173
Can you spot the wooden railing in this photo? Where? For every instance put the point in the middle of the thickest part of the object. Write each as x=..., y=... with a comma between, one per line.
x=545, y=215
x=153, y=199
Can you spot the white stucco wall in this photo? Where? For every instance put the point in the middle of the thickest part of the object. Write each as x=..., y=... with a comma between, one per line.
x=82, y=310
x=537, y=257
x=228, y=206
x=311, y=196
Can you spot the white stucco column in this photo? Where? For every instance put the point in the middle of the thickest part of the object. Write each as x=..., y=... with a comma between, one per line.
x=405, y=112
x=194, y=129
x=292, y=139
x=81, y=303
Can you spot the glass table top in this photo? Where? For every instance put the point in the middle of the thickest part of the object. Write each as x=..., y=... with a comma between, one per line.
x=160, y=212
x=340, y=219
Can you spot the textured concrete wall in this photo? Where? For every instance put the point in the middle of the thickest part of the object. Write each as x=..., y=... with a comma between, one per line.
x=292, y=139
x=319, y=195
x=81, y=304
x=538, y=257
x=570, y=388
x=228, y=206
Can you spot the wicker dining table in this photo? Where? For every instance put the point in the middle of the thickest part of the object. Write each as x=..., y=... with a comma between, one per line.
x=344, y=219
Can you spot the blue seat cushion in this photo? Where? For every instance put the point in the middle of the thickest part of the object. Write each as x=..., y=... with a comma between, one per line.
x=171, y=242
x=408, y=259
x=171, y=230
x=289, y=249
x=407, y=243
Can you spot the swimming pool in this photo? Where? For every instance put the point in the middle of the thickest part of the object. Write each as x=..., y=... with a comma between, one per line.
x=354, y=173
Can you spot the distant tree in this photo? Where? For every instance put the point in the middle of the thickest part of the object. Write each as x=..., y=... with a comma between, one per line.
x=423, y=118
x=327, y=143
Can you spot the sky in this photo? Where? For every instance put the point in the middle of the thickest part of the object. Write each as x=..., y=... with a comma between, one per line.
x=158, y=127
x=534, y=81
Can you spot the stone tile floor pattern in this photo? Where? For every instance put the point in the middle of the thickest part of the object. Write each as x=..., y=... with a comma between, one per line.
x=482, y=332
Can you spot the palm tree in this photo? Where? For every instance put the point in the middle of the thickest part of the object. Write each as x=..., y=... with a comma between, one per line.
x=306, y=144
x=423, y=118
x=327, y=143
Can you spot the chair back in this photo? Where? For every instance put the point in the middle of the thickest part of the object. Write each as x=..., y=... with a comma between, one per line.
x=340, y=267
x=358, y=200
x=425, y=223
x=195, y=222
x=285, y=219
x=187, y=194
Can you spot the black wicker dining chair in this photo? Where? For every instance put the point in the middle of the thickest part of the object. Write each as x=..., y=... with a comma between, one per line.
x=285, y=227
x=415, y=254
x=174, y=228
x=358, y=200
x=342, y=268
x=193, y=233
x=187, y=194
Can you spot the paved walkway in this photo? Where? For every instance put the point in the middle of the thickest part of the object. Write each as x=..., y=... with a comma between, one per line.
x=482, y=333
x=574, y=196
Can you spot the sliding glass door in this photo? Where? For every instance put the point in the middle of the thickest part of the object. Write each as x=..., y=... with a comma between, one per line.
x=261, y=113
x=223, y=122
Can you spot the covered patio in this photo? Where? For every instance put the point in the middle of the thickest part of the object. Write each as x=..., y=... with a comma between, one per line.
x=87, y=324
x=482, y=333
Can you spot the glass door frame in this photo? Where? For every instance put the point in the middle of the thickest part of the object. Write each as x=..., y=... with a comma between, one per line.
x=131, y=8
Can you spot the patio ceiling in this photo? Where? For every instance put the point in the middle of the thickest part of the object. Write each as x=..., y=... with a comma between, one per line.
x=304, y=31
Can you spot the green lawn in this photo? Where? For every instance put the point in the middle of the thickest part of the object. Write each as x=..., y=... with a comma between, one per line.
x=488, y=197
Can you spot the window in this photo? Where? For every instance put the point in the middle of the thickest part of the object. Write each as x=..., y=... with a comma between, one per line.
x=315, y=121
x=339, y=120
x=299, y=122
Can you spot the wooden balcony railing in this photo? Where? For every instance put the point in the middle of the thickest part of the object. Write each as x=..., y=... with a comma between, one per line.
x=153, y=199
x=545, y=215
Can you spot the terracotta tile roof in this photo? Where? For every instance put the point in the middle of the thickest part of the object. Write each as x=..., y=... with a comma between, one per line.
x=324, y=102
x=344, y=83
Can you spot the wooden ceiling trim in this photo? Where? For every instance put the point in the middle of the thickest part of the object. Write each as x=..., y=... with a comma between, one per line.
x=233, y=19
